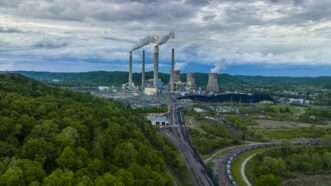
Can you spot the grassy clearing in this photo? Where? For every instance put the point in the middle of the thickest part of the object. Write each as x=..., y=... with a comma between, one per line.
x=308, y=180
x=311, y=132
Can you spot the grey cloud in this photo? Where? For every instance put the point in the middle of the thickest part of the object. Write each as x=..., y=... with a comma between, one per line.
x=51, y=44
x=201, y=24
x=4, y=29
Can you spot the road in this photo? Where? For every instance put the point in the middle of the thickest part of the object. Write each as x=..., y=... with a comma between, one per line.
x=224, y=175
x=243, y=168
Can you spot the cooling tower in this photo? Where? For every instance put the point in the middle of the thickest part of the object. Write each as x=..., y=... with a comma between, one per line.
x=177, y=76
x=130, y=71
x=143, y=71
x=156, y=66
x=213, y=83
x=172, y=72
x=190, y=81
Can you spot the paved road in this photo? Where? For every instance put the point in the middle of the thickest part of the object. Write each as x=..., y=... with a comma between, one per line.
x=223, y=175
x=243, y=168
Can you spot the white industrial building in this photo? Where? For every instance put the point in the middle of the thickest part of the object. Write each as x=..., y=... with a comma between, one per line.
x=160, y=120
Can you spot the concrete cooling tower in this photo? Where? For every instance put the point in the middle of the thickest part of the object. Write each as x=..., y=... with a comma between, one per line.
x=213, y=83
x=190, y=81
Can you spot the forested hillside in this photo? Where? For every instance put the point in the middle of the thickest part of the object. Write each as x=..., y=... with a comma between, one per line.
x=226, y=81
x=54, y=137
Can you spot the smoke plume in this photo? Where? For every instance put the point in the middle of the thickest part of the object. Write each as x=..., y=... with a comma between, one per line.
x=218, y=67
x=166, y=38
x=180, y=65
x=145, y=41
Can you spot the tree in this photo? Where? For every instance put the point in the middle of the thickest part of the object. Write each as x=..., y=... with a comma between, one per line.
x=124, y=154
x=317, y=162
x=32, y=170
x=12, y=177
x=67, y=137
x=59, y=177
x=67, y=159
x=125, y=177
x=269, y=180
x=38, y=149
x=327, y=159
x=108, y=180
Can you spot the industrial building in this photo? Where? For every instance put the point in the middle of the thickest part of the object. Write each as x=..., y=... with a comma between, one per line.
x=159, y=120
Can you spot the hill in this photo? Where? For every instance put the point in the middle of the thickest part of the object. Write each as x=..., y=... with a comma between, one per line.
x=54, y=137
x=226, y=81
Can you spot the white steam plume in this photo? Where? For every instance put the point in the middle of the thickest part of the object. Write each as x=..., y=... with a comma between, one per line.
x=218, y=67
x=180, y=66
x=145, y=41
x=166, y=38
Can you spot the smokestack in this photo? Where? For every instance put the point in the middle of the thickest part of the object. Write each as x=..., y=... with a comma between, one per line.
x=190, y=80
x=130, y=70
x=213, y=83
x=156, y=66
x=143, y=72
x=172, y=73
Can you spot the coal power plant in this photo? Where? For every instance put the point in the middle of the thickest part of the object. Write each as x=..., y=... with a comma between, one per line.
x=157, y=43
x=154, y=85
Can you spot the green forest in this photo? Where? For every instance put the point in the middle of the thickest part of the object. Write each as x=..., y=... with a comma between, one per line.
x=54, y=137
x=274, y=166
x=226, y=81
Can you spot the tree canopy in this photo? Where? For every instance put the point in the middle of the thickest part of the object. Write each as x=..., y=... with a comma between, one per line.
x=51, y=136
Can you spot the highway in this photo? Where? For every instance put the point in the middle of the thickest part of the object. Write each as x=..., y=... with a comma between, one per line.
x=225, y=162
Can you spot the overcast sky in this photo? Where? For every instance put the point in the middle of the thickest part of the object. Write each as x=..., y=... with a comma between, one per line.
x=84, y=35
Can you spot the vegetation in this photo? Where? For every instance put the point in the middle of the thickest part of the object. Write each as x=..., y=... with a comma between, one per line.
x=308, y=132
x=236, y=166
x=211, y=137
x=274, y=166
x=228, y=82
x=54, y=137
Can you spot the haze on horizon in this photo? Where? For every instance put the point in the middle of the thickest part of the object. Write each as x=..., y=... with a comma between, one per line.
x=262, y=37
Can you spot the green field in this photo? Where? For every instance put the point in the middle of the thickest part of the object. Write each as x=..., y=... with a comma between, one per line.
x=311, y=132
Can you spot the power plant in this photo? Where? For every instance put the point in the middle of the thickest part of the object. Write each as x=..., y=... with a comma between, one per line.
x=154, y=86
x=213, y=82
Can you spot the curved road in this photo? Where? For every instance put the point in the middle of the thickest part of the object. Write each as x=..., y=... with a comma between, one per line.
x=224, y=162
x=243, y=168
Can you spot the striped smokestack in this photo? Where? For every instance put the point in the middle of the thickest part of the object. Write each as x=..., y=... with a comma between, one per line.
x=156, y=66
x=213, y=82
x=143, y=72
x=130, y=70
x=172, y=73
